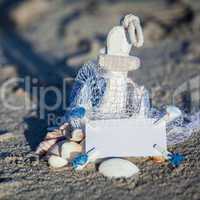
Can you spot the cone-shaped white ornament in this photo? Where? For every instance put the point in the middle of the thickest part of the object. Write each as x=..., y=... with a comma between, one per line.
x=117, y=63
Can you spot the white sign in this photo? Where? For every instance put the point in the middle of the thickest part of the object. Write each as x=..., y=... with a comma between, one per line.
x=125, y=137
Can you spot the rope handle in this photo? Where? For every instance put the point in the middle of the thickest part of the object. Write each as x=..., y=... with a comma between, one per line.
x=132, y=24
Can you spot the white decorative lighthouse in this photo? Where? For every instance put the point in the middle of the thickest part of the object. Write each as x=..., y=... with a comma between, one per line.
x=117, y=62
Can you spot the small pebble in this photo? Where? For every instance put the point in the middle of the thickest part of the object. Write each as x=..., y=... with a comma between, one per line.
x=6, y=137
x=118, y=168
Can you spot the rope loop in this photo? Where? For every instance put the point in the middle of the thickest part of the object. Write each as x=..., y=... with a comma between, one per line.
x=132, y=24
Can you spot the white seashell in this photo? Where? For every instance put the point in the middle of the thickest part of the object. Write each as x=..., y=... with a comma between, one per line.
x=56, y=161
x=116, y=168
x=70, y=149
x=173, y=113
x=77, y=135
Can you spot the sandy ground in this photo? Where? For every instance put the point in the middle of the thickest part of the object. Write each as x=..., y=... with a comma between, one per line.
x=51, y=44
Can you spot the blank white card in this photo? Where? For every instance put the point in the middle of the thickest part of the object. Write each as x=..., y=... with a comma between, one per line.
x=125, y=137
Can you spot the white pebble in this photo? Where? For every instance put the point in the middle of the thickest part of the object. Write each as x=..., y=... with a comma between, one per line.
x=57, y=162
x=70, y=149
x=116, y=168
x=173, y=112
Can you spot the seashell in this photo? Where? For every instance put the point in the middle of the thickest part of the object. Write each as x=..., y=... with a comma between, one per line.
x=56, y=149
x=158, y=159
x=65, y=129
x=70, y=150
x=77, y=135
x=64, y=126
x=116, y=168
x=57, y=162
x=54, y=135
x=173, y=113
x=45, y=146
x=50, y=139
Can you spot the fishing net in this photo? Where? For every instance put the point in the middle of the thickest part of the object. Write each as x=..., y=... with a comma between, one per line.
x=106, y=95
x=112, y=95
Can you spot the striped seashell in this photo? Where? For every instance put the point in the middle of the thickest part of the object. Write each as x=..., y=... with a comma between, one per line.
x=56, y=149
x=54, y=134
x=50, y=139
x=65, y=129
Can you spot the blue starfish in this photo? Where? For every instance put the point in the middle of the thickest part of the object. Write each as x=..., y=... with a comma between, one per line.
x=81, y=159
x=176, y=159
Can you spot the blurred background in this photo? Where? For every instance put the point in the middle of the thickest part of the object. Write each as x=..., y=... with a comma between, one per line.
x=51, y=39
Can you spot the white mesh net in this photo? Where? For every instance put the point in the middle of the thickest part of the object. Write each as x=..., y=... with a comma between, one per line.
x=107, y=95
x=112, y=95
x=121, y=98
